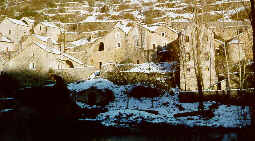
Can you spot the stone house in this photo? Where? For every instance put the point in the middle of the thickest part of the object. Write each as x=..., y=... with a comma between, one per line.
x=241, y=44
x=197, y=57
x=150, y=38
x=6, y=44
x=42, y=54
x=236, y=51
x=111, y=48
x=14, y=29
x=48, y=29
x=124, y=43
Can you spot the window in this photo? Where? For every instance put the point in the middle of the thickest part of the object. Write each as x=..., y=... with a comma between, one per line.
x=240, y=31
x=10, y=32
x=40, y=28
x=70, y=64
x=32, y=66
x=163, y=34
x=188, y=57
x=188, y=69
x=137, y=61
x=187, y=38
x=118, y=44
x=100, y=65
x=101, y=46
x=46, y=29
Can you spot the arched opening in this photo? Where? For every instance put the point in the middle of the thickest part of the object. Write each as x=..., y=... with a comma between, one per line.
x=70, y=64
x=101, y=46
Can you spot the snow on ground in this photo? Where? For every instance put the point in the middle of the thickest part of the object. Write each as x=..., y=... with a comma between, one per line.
x=152, y=67
x=127, y=112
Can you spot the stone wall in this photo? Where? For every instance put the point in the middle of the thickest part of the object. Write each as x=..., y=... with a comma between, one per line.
x=75, y=74
x=33, y=57
x=14, y=31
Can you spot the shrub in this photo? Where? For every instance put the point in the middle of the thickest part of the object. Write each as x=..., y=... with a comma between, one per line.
x=144, y=91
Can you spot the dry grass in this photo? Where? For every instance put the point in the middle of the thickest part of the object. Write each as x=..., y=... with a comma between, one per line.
x=115, y=17
x=122, y=7
x=128, y=16
x=242, y=15
x=147, y=4
x=166, y=5
x=153, y=13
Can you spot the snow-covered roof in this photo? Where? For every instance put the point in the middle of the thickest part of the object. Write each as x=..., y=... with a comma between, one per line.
x=5, y=39
x=184, y=15
x=45, y=39
x=123, y=26
x=80, y=42
x=155, y=26
x=44, y=47
x=219, y=41
x=235, y=41
x=28, y=19
x=19, y=22
x=56, y=51
x=151, y=28
x=93, y=18
x=49, y=24
x=72, y=58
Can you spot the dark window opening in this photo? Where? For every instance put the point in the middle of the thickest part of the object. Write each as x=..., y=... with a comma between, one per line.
x=101, y=46
x=188, y=69
x=187, y=38
x=163, y=34
x=154, y=46
x=137, y=61
x=240, y=31
x=40, y=28
x=69, y=63
x=10, y=32
x=137, y=43
x=118, y=44
x=100, y=65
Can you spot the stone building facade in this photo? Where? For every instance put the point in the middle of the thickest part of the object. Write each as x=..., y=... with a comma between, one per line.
x=6, y=44
x=197, y=57
x=14, y=29
x=126, y=44
x=48, y=29
x=42, y=56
